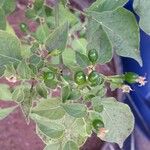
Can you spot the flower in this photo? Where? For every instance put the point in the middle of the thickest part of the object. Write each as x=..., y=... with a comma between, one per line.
x=126, y=89
x=90, y=68
x=11, y=79
x=102, y=132
x=141, y=80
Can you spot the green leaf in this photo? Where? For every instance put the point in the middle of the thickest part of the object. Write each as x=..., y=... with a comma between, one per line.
x=65, y=2
x=26, y=104
x=24, y=70
x=74, y=94
x=65, y=93
x=41, y=90
x=10, y=50
x=2, y=19
x=30, y=13
x=4, y=112
x=9, y=6
x=35, y=47
x=10, y=29
x=50, y=109
x=96, y=103
x=5, y=93
x=49, y=128
x=71, y=60
x=26, y=51
x=99, y=90
x=98, y=39
x=75, y=110
x=94, y=115
x=36, y=61
x=52, y=84
x=65, y=15
x=123, y=33
x=82, y=60
x=42, y=33
x=70, y=145
x=18, y=94
x=9, y=71
x=54, y=146
x=118, y=120
x=38, y=4
x=79, y=44
x=143, y=11
x=79, y=128
x=106, y=5
x=58, y=39
x=42, y=136
x=48, y=11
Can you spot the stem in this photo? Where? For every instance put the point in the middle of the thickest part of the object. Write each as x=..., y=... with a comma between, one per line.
x=57, y=13
x=57, y=24
x=32, y=85
x=89, y=88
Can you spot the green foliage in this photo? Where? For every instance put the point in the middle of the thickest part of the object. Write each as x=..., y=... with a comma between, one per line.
x=8, y=6
x=42, y=33
x=5, y=93
x=10, y=50
x=70, y=145
x=2, y=18
x=122, y=40
x=65, y=93
x=106, y=5
x=59, y=87
x=26, y=103
x=42, y=90
x=49, y=128
x=82, y=60
x=113, y=115
x=50, y=109
x=58, y=39
x=98, y=39
x=4, y=112
x=24, y=71
x=75, y=110
x=143, y=11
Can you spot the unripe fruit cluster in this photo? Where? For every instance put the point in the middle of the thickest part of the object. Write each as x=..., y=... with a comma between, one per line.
x=93, y=78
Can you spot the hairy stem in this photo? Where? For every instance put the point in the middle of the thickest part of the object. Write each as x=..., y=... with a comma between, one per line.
x=57, y=13
x=57, y=24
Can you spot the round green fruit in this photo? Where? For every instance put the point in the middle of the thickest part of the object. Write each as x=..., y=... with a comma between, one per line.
x=131, y=77
x=97, y=124
x=93, y=55
x=80, y=78
x=94, y=78
x=23, y=27
x=49, y=75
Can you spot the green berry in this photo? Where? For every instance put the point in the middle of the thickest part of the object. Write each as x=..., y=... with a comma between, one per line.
x=93, y=55
x=97, y=124
x=23, y=27
x=49, y=75
x=94, y=78
x=80, y=78
x=131, y=77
